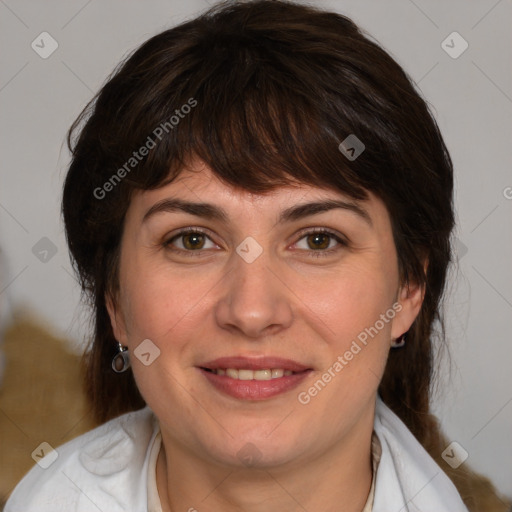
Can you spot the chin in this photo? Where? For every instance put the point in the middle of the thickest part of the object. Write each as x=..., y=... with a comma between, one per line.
x=255, y=452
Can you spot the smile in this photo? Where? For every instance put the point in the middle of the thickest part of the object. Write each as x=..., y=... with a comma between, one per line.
x=253, y=378
x=245, y=374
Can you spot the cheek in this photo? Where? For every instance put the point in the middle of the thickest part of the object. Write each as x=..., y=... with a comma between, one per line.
x=353, y=312
x=155, y=304
x=171, y=308
x=344, y=304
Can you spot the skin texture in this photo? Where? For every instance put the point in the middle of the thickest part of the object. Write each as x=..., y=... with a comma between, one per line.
x=289, y=303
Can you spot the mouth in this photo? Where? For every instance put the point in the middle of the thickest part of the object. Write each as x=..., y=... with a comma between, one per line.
x=254, y=378
x=246, y=374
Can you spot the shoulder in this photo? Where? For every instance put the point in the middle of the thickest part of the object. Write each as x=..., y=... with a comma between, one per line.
x=407, y=475
x=101, y=469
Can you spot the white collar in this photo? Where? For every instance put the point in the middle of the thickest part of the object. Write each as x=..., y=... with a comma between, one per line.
x=408, y=477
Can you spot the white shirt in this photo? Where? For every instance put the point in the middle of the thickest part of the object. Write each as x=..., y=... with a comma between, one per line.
x=112, y=469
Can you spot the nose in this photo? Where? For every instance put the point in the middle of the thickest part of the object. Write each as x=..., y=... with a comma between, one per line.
x=254, y=302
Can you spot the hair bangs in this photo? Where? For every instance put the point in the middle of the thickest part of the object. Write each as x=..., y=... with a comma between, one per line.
x=267, y=136
x=257, y=129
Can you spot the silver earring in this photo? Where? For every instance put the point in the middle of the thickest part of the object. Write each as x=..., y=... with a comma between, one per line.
x=399, y=342
x=121, y=361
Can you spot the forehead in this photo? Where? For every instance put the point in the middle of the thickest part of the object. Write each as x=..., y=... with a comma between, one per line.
x=198, y=183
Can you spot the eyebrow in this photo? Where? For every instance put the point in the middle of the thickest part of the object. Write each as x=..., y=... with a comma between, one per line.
x=210, y=211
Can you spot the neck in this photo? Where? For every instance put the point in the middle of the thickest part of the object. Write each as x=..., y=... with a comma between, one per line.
x=338, y=480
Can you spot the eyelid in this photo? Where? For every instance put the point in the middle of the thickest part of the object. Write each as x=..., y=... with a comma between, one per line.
x=168, y=239
x=341, y=241
x=335, y=234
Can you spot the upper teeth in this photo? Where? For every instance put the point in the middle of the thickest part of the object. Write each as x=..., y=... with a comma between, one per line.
x=242, y=374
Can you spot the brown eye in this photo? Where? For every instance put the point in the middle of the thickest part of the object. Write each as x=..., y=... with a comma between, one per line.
x=318, y=240
x=189, y=241
x=193, y=241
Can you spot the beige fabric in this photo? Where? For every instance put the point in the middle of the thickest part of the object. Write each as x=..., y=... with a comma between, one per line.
x=41, y=398
x=376, y=454
x=154, y=504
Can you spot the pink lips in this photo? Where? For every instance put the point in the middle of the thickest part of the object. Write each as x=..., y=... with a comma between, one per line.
x=254, y=389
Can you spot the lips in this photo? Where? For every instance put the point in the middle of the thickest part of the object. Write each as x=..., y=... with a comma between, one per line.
x=258, y=378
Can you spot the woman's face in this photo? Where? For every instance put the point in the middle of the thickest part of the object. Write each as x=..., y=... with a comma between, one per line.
x=260, y=333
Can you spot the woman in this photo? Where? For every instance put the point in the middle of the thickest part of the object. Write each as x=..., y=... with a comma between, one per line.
x=259, y=208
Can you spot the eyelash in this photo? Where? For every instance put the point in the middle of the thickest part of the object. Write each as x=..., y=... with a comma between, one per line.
x=302, y=234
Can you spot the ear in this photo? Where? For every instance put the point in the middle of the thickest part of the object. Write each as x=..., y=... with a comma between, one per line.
x=116, y=319
x=410, y=298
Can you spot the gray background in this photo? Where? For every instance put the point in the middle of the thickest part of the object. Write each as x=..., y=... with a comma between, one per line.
x=472, y=100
